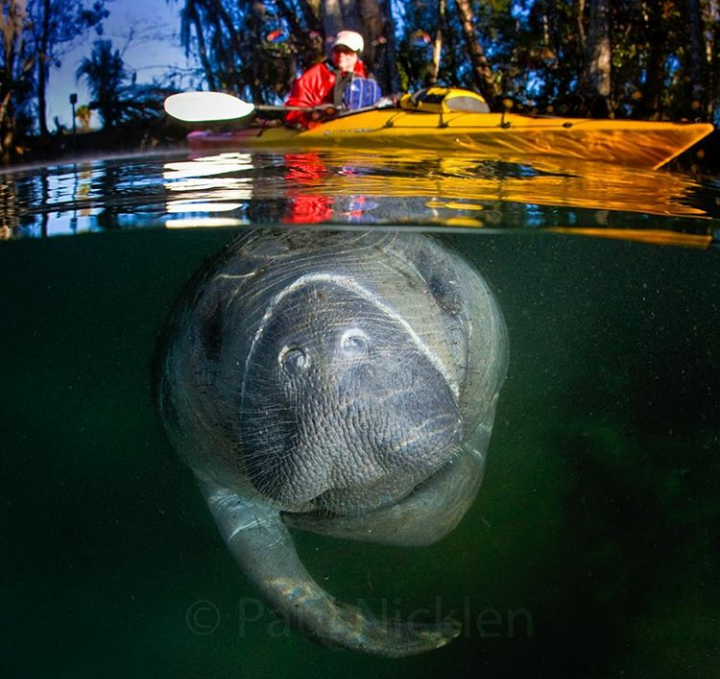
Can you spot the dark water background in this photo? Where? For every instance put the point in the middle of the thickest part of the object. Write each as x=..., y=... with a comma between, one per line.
x=593, y=547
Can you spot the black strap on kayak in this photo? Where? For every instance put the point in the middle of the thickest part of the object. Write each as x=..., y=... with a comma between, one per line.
x=342, y=81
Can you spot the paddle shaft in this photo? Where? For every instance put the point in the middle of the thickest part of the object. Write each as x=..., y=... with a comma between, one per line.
x=309, y=109
x=328, y=109
x=218, y=106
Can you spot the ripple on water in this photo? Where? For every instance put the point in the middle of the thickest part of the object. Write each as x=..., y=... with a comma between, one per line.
x=416, y=187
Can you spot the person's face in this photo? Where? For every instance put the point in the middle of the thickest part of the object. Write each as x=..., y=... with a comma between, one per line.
x=344, y=59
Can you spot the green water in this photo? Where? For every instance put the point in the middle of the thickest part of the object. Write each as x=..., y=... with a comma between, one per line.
x=592, y=549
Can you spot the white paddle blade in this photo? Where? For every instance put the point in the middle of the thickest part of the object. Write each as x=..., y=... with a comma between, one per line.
x=195, y=107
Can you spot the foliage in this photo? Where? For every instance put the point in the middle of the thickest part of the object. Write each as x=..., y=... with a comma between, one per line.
x=235, y=44
x=35, y=36
x=630, y=58
x=104, y=71
x=16, y=63
x=84, y=115
x=113, y=98
x=55, y=28
x=653, y=59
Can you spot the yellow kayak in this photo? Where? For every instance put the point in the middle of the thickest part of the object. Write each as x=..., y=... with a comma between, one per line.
x=504, y=135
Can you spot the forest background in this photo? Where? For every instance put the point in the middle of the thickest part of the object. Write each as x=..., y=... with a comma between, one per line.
x=644, y=59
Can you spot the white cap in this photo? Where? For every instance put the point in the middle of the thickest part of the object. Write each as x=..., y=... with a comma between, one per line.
x=350, y=39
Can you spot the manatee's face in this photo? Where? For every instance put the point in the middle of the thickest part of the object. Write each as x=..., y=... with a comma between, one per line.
x=342, y=407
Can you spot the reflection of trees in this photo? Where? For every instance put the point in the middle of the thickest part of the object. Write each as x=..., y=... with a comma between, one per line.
x=65, y=199
x=8, y=210
x=106, y=183
x=341, y=187
x=17, y=200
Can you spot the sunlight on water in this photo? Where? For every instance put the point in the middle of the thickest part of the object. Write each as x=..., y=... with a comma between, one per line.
x=415, y=187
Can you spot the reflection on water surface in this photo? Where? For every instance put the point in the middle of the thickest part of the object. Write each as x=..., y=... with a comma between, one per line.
x=332, y=186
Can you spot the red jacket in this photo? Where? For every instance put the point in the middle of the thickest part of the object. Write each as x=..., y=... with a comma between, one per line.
x=312, y=88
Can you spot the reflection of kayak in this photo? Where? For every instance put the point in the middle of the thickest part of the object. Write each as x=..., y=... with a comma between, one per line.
x=450, y=187
x=627, y=142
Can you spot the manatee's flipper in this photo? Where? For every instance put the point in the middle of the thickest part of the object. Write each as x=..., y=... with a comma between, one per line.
x=429, y=513
x=262, y=546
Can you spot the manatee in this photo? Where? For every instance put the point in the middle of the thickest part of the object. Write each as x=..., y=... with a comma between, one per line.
x=341, y=383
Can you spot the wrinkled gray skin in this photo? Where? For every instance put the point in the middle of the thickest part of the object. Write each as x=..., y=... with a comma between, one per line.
x=339, y=383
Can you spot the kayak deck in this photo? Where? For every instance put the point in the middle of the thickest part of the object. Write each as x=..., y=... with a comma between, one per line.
x=626, y=142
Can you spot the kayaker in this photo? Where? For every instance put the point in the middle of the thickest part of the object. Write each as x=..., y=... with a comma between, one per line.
x=342, y=82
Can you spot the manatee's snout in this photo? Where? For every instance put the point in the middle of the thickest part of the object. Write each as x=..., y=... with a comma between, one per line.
x=359, y=412
x=404, y=435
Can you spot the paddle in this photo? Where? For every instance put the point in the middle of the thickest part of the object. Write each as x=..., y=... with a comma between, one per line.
x=206, y=107
x=194, y=107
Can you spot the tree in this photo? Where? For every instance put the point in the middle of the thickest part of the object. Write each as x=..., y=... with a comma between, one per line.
x=649, y=58
x=481, y=71
x=599, y=59
x=231, y=39
x=84, y=114
x=117, y=101
x=16, y=63
x=56, y=26
x=434, y=70
x=697, y=59
x=104, y=71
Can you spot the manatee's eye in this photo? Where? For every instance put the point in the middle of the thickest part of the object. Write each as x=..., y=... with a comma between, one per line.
x=436, y=287
x=355, y=342
x=293, y=359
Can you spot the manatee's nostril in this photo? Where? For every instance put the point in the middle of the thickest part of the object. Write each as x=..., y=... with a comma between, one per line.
x=354, y=342
x=294, y=359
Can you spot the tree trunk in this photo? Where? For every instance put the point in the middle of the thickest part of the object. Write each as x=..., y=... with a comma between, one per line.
x=338, y=15
x=581, y=25
x=652, y=99
x=372, y=29
x=391, y=49
x=352, y=20
x=656, y=31
x=43, y=67
x=696, y=66
x=712, y=19
x=16, y=68
x=482, y=74
x=434, y=70
x=599, y=49
x=202, y=49
x=311, y=13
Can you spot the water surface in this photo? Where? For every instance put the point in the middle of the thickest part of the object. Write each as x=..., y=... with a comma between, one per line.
x=418, y=188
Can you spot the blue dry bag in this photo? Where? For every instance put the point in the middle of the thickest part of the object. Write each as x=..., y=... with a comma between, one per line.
x=361, y=92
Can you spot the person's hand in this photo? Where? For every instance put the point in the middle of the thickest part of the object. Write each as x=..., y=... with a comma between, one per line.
x=388, y=101
x=324, y=113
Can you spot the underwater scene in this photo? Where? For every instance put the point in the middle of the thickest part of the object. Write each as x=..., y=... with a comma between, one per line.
x=319, y=413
